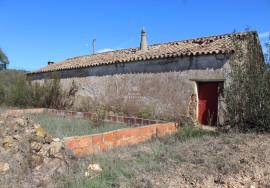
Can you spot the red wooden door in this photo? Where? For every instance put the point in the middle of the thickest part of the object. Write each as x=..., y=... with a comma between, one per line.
x=208, y=102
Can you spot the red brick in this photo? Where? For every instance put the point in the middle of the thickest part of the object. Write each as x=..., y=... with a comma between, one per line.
x=114, y=118
x=132, y=120
x=87, y=115
x=97, y=139
x=135, y=132
x=148, y=130
x=145, y=122
x=103, y=147
x=126, y=120
x=120, y=119
x=117, y=135
x=71, y=143
x=108, y=137
x=73, y=113
x=87, y=150
x=126, y=133
x=123, y=133
x=138, y=121
x=152, y=122
x=79, y=152
x=85, y=141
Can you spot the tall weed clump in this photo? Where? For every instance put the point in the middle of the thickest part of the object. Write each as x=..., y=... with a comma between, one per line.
x=248, y=91
x=17, y=91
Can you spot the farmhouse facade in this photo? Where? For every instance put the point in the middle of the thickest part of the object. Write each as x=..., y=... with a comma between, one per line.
x=181, y=77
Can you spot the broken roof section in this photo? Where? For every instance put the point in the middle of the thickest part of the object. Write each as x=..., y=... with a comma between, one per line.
x=221, y=44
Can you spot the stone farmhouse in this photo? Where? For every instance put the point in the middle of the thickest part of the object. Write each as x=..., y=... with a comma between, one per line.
x=180, y=77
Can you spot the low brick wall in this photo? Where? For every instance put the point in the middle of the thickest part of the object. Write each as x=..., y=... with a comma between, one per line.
x=86, y=115
x=91, y=144
x=109, y=118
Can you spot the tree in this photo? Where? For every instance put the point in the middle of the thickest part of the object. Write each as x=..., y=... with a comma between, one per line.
x=3, y=59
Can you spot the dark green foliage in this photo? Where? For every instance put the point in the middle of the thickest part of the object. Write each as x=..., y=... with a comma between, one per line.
x=11, y=81
x=19, y=95
x=248, y=93
x=3, y=57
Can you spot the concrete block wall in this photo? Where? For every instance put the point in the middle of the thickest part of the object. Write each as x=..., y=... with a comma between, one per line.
x=91, y=144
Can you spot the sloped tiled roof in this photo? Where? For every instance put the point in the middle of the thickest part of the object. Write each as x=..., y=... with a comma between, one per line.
x=221, y=44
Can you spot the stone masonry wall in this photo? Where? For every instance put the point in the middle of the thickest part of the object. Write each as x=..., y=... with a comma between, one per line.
x=166, y=85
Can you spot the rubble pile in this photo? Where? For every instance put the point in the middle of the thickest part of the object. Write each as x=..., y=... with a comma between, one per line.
x=29, y=157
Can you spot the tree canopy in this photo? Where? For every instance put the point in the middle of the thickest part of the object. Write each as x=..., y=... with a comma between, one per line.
x=3, y=57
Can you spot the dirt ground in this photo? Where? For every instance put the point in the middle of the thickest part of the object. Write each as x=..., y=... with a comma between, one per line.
x=227, y=160
x=224, y=161
x=31, y=158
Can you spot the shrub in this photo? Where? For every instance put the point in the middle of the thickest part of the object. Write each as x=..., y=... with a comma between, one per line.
x=99, y=115
x=16, y=90
x=99, y=110
x=19, y=95
x=247, y=94
x=145, y=112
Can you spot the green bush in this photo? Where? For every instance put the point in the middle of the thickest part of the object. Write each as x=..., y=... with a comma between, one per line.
x=16, y=90
x=247, y=94
x=19, y=95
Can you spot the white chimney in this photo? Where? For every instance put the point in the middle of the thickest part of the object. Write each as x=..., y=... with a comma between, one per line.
x=94, y=46
x=143, y=45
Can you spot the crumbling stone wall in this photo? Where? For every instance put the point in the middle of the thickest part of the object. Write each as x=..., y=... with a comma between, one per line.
x=167, y=85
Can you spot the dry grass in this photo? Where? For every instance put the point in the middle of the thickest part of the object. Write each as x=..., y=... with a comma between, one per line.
x=226, y=160
x=66, y=126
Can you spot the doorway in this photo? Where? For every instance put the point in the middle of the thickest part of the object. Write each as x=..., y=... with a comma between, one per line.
x=208, y=102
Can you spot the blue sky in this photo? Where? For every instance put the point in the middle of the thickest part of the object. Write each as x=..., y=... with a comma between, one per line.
x=33, y=32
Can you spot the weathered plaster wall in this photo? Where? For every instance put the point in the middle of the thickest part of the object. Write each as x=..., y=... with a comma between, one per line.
x=167, y=85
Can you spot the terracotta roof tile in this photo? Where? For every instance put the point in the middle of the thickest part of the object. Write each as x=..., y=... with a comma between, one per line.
x=221, y=44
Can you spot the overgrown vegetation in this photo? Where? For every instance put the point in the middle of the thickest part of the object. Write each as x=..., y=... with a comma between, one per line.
x=154, y=156
x=247, y=94
x=99, y=115
x=64, y=126
x=16, y=90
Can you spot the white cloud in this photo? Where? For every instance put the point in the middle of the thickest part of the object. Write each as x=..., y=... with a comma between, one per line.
x=105, y=50
x=264, y=34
